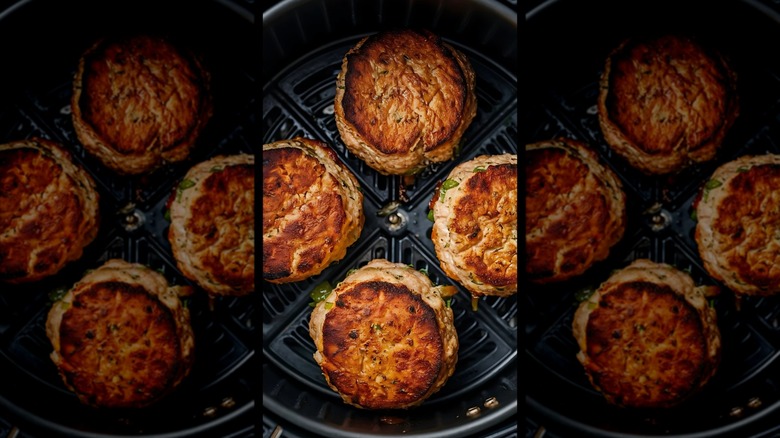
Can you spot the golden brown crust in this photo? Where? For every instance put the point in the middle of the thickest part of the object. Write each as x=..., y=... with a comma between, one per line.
x=312, y=209
x=384, y=337
x=403, y=100
x=666, y=103
x=624, y=334
x=212, y=224
x=48, y=210
x=388, y=315
x=475, y=224
x=139, y=102
x=738, y=225
x=121, y=337
x=648, y=338
x=132, y=351
x=575, y=210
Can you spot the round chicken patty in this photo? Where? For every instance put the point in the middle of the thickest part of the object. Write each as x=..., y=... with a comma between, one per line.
x=667, y=102
x=121, y=336
x=738, y=229
x=312, y=209
x=139, y=102
x=212, y=232
x=575, y=210
x=403, y=100
x=648, y=337
x=475, y=224
x=385, y=337
x=49, y=210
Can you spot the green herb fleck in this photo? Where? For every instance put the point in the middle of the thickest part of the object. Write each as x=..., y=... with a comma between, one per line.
x=479, y=169
x=430, y=215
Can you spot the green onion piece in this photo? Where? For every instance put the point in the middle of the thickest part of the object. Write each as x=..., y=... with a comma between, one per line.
x=186, y=184
x=430, y=215
x=584, y=294
x=448, y=302
x=328, y=306
x=57, y=294
x=448, y=184
x=479, y=169
x=167, y=214
x=713, y=183
x=321, y=291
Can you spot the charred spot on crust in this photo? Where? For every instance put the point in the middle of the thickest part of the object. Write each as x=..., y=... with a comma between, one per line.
x=114, y=352
x=423, y=95
x=377, y=352
x=648, y=332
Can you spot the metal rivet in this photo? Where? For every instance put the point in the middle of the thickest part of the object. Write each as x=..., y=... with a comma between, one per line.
x=736, y=411
x=209, y=411
x=491, y=403
x=227, y=402
x=754, y=403
x=473, y=411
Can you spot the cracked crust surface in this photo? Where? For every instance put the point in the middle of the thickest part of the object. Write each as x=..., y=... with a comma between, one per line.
x=647, y=336
x=121, y=337
x=575, y=210
x=139, y=102
x=475, y=224
x=312, y=209
x=666, y=103
x=212, y=224
x=48, y=210
x=403, y=100
x=385, y=338
x=738, y=229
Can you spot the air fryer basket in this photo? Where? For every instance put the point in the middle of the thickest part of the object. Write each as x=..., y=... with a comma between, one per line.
x=304, y=43
x=744, y=397
x=42, y=41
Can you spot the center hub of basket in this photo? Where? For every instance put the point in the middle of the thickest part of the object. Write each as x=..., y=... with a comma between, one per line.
x=393, y=219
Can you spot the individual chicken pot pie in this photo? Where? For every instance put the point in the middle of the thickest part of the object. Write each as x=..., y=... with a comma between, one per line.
x=474, y=230
x=404, y=98
x=139, y=102
x=666, y=102
x=385, y=337
x=212, y=218
x=48, y=210
x=312, y=209
x=738, y=229
x=121, y=336
x=648, y=337
x=575, y=210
